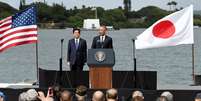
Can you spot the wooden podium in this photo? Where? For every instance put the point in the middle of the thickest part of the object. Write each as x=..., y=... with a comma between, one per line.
x=100, y=62
x=100, y=78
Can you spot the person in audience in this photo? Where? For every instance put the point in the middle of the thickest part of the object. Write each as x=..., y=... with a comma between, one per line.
x=2, y=96
x=29, y=95
x=198, y=97
x=81, y=93
x=22, y=96
x=137, y=96
x=56, y=92
x=32, y=95
x=98, y=96
x=112, y=95
x=166, y=96
x=161, y=99
x=66, y=96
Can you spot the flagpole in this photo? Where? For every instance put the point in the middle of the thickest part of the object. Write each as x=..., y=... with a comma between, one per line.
x=135, y=63
x=193, y=62
x=37, y=68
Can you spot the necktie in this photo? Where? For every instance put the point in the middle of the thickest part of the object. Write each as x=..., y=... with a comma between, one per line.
x=102, y=40
x=76, y=43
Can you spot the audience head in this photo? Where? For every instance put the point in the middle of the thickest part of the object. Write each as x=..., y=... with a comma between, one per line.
x=22, y=96
x=137, y=96
x=98, y=96
x=166, y=95
x=81, y=92
x=161, y=99
x=198, y=97
x=56, y=91
x=2, y=96
x=29, y=95
x=66, y=96
x=112, y=95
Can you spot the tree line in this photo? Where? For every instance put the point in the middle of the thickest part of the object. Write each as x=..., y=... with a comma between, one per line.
x=120, y=17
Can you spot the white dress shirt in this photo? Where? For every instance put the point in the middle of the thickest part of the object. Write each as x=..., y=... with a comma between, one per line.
x=102, y=38
x=77, y=40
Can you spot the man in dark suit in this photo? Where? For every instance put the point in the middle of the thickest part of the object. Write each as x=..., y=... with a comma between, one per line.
x=77, y=51
x=102, y=40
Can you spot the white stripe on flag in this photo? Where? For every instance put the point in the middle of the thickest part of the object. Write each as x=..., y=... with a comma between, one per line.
x=7, y=22
x=18, y=28
x=17, y=41
x=18, y=34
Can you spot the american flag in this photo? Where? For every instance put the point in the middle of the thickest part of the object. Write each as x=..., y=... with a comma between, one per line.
x=18, y=29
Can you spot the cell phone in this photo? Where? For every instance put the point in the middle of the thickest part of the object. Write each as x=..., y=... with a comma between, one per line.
x=50, y=91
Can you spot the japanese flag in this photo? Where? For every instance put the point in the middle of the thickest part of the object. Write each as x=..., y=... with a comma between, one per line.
x=172, y=30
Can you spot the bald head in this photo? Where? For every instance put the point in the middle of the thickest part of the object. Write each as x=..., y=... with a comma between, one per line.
x=197, y=99
x=98, y=96
x=137, y=96
x=112, y=94
x=65, y=96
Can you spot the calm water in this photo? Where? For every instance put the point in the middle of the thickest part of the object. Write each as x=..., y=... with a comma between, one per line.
x=173, y=64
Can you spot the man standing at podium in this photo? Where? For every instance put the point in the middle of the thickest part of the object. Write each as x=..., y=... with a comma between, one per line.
x=77, y=51
x=97, y=73
x=102, y=40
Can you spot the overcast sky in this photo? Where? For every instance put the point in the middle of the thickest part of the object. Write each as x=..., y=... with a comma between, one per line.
x=108, y=4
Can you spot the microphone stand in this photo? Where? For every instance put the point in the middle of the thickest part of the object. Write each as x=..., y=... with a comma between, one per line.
x=61, y=63
x=135, y=64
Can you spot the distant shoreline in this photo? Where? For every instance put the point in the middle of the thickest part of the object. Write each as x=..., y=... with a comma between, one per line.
x=56, y=16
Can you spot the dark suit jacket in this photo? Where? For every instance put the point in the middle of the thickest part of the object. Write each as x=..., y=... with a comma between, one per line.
x=78, y=56
x=106, y=44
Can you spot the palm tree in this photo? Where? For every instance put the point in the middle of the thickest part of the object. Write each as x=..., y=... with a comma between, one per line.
x=127, y=7
x=22, y=3
x=83, y=6
x=174, y=3
x=169, y=4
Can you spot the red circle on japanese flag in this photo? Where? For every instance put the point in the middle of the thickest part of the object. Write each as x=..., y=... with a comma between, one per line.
x=164, y=29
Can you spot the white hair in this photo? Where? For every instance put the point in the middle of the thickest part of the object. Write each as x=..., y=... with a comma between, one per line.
x=30, y=95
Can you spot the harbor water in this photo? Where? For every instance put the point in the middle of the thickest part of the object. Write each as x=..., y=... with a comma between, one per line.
x=173, y=64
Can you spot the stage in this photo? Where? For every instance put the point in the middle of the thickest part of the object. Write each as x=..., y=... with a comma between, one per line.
x=122, y=80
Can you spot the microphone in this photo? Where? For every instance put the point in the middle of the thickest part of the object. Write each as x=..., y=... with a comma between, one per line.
x=133, y=39
x=62, y=47
x=62, y=40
